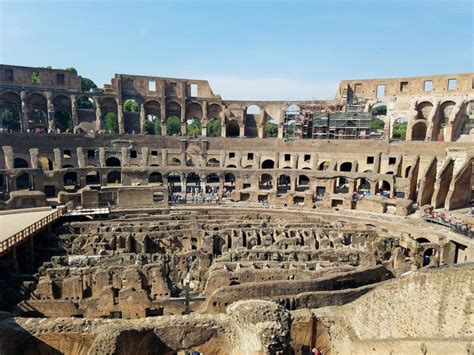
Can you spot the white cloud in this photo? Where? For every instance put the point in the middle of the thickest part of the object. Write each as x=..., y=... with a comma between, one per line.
x=236, y=88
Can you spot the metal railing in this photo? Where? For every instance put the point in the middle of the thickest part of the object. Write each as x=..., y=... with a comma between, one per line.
x=20, y=236
x=456, y=228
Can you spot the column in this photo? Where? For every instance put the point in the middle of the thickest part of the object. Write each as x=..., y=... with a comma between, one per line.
x=183, y=117
x=223, y=128
x=75, y=120
x=120, y=118
x=163, y=117
x=98, y=116
x=205, y=119
x=50, y=107
x=183, y=183
x=142, y=119
x=242, y=130
x=24, y=112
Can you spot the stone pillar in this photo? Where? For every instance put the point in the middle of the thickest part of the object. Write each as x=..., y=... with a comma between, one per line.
x=242, y=130
x=50, y=107
x=8, y=153
x=34, y=157
x=121, y=126
x=75, y=119
x=164, y=157
x=124, y=159
x=293, y=182
x=183, y=183
x=57, y=164
x=261, y=130
x=351, y=183
x=183, y=117
x=142, y=119
x=377, y=162
x=163, y=117
x=81, y=162
x=102, y=157
x=204, y=130
x=433, y=116
x=145, y=153
x=223, y=129
x=98, y=117
x=24, y=112
x=280, y=130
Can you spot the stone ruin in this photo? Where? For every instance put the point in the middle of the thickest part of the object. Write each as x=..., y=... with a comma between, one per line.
x=237, y=243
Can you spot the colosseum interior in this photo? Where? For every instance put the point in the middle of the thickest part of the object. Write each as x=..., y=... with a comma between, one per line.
x=152, y=216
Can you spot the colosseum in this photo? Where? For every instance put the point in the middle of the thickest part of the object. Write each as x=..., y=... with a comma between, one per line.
x=152, y=216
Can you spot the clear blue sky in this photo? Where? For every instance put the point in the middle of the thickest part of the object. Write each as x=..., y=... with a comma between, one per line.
x=257, y=49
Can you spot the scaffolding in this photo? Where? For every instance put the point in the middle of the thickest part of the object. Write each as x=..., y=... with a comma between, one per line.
x=343, y=125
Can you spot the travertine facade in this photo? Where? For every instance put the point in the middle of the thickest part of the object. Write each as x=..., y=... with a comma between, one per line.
x=279, y=238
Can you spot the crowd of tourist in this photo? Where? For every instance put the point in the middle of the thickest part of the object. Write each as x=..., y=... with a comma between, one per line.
x=197, y=195
x=456, y=224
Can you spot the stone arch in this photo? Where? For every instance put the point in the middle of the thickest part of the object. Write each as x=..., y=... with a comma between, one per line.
x=302, y=183
x=214, y=127
x=19, y=163
x=418, y=131
x=214, y=111
x=131, y=115
x=265, y=182
x=441, y=120
x=70, y=179
x=194, y=115
x=212, y=178
x=108, y=107
x=424, y=109
x=10, y=112
x=346, y=166
x=86, y=112
x=62, y=113
x=37, y=111
x=153, y=117
x=155, y=178
x=213, y=162
x=270, y=128
x=252, y=116
x=193, y=181
x=232, y=129
x=268, y=164
x=93, y=178
x=283, y=184
x=174, y=182
x=112, y=161
x=114, y=177
x=383, y=187
x=45, y=163
x=323, y=165
x=363, y=185
x=22, y=181
x=378, y=108
x=173, y=126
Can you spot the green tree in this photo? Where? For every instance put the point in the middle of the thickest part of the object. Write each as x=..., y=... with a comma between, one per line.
x=87, y=84
x=130, y=105
x=400, y=130
x=379, y=110
x=214, y=128
x=110, y=123
x=377, y=124
x=153, y=125
x=63, y=121
x=194, y=128
x=72, y=69
x=271, y=130
x=173, y=126
x=290, y=130
x=10, y=120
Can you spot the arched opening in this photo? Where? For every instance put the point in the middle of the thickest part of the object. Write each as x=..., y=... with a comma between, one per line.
x=173, y=126
x=418, y=131
x=346, y=166
x=86, y=113
x=19, y=163
x=251, y=114
x=428, y=254
x=265, y=182
x=131, y=117
x=212, y=183
x=214, y=127
x=440, y=123
x=214, y=111
x=152, y=115
x=271, y=129
x=114, y=177
x=302, y=183
x=174, y=182
x=37, y=112
x=407, y=171
x=10, y=109
x=424, y=110
x=229, y=183
x=193, y=182
x=70, y=179
x=323, y=166
x=399, y=130
x=213, y=162
x=217, y=245
x=155, y=178
x=231, y=166
x=45, y=164
x=379, y=109
x=268, y=164
x=232, y=129
x=193, y=127
x=63, y=121
x=174, y=161
x=422, y=240
x=383, y=188
x=283, y=184
x=341, y=185
x=363, y=186
x=93, y=178
x=109, y=115
x=23, y=182
x=112, y=161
